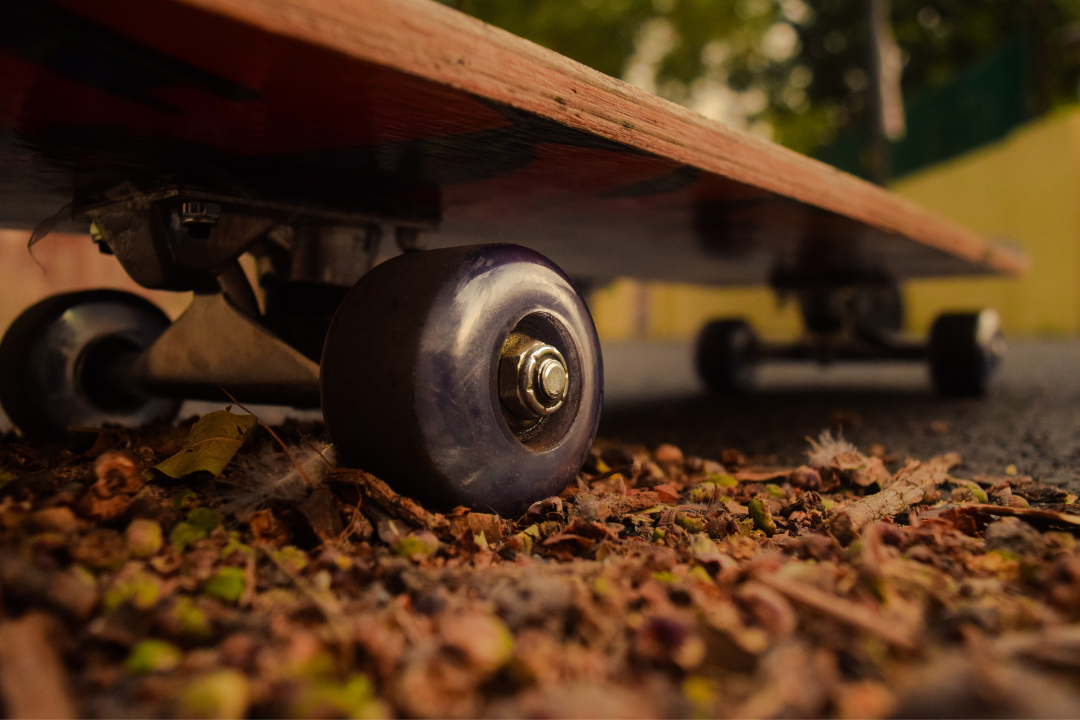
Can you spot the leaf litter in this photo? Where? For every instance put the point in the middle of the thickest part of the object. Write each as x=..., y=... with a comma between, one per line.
x=657, y=585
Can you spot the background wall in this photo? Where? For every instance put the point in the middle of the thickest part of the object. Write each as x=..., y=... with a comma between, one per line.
x=1026, y=189
x=61, y=263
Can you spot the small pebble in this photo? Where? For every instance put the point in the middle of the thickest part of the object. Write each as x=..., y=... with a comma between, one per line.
x=669, y=454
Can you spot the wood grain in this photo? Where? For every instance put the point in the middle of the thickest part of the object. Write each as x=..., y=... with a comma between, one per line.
x=431, y=41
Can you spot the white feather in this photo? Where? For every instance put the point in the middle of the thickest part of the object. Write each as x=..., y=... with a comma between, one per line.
x=822, y=452
x=270, y=476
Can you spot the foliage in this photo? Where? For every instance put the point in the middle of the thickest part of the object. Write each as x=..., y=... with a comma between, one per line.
x=800, y=65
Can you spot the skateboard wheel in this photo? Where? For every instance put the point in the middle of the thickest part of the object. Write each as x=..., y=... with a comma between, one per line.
x=964, y=351
x=464, y=376
x=726, y=356
x=66, y=361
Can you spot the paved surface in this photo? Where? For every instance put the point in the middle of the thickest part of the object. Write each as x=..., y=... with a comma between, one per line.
x=1031, y=419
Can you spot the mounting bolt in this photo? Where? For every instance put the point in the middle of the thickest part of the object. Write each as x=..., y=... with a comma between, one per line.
x=199, y=217
x=533, y=379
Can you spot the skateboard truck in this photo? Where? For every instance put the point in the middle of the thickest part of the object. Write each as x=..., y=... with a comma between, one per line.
x=854, y=314
x=467, y=375
x=215, y=345
x=184, y=238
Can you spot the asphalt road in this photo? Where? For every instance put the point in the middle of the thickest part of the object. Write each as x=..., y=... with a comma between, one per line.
x=1031, y=418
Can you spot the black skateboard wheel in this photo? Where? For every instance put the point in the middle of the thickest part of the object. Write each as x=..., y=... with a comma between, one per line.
x=464, y=376
x=727, y=355
x=964, y=351
x=66, y=361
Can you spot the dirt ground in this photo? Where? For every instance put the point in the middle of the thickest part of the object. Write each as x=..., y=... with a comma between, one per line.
x=208, y=571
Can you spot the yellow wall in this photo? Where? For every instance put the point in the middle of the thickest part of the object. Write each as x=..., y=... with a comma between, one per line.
x=670, y=311
x=1024, y=189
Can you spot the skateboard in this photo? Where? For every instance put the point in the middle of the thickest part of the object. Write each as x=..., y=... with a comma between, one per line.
x=500, y=179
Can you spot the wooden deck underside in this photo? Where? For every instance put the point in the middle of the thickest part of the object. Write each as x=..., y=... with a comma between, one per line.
x=412, y=108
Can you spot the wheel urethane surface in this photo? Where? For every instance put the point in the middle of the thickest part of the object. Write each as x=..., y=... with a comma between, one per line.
x=965, y=349
x=63, y=363
x=726, y=355
x=410, y=377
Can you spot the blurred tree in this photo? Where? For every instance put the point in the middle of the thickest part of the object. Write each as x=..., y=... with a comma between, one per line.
x=798, y=66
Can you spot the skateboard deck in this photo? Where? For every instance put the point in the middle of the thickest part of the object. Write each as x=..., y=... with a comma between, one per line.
x=415, y=110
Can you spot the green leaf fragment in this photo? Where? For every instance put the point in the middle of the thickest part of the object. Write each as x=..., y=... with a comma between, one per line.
x=976, y=491
x=144, y=537
x=690, y=523
x=183, y=499
x=480, y=540
x=353, y=698
x=204, y=518
x=184, y=534
x=227, y=584
x=141, y=589
x=703, y=493
x=191, y=619
x=316, y=667
x=759, y=513
x=211, y=444
x=292, y=557
x=153, y=656
x=220, y=694
x=703, y=548
x=521, y=542
x=701, y=694
x=416, y=545
x=235, y=545
x=700, y=573
x=724, y=481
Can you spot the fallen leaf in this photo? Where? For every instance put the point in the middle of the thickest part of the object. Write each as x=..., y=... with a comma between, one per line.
x=210, y=446
x=667, y=492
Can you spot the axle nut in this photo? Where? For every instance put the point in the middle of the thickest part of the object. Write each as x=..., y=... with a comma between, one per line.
x=533, y=379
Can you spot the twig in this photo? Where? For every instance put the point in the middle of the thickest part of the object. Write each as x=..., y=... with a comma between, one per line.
x=908, y=488
x=1035, y=516
x=397, y=505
